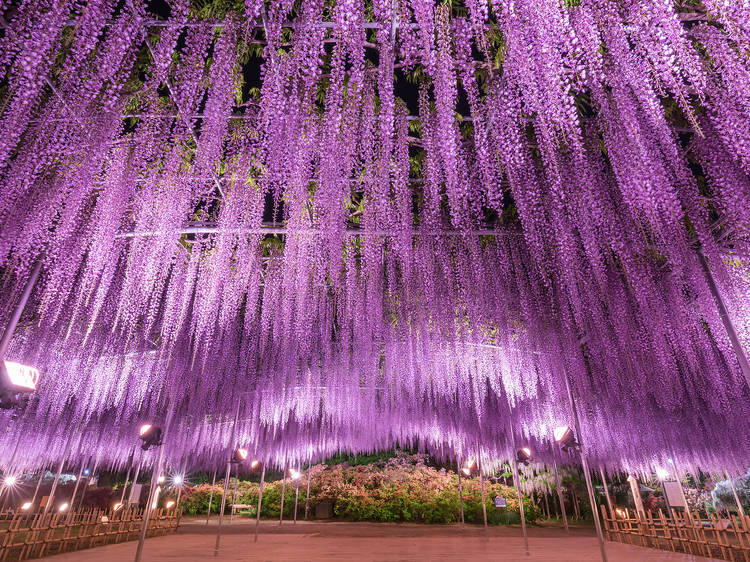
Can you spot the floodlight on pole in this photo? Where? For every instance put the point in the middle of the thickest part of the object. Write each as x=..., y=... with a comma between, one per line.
x=239, y=456
x=523, y=455
x=566, y=438
x=150, y=435
x=16, y=380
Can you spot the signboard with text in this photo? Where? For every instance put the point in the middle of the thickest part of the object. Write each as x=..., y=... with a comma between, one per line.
x=501, y=502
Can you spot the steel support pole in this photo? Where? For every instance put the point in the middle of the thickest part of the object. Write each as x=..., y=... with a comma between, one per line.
x=725, y=319
x=51, y=498
x=234, y=494
x=517, y=478
x=260, y=500
x=460, y=492
x=135, y=478
x=18, y=310
x=38, y=484
x=211, y=497
x=223, y=506
x=73, y=497
x=125, y=485
x=560, y=496
x=283, y=493
x=481, y=485
x=226, y=479
x=736, y=496
x=586, y=473
x=88, y=481
x=307, y=494
x=296, y=498
x=606, y=492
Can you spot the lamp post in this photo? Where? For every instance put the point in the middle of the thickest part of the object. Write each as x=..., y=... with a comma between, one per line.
x=152, y=491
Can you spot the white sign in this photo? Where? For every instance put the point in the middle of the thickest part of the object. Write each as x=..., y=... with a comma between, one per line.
x=673, y=494
x=501, y=502
x=135, y=493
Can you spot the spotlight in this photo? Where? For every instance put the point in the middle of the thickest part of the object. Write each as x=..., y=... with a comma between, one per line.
x=177, y=480
x=523, y=455
x=170, y=504
x=567, y=439
x=150, y=435
x=255, y=464
x=662, y=474
x=161, y=479
x=10, y=481
x=117, y=507
x=26, y=506
x=240, y=456
x=467, y=470
x=294, y=474
x=15, y=380
x=86, y=472
x=63, y=507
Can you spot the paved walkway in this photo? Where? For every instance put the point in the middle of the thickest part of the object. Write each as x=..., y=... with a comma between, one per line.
x=376, y=542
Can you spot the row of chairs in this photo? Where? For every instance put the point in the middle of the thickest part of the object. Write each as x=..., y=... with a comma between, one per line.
x=711, y=536
x=27, y=536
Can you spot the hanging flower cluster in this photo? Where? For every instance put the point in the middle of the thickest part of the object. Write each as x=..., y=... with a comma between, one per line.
x=377, y=224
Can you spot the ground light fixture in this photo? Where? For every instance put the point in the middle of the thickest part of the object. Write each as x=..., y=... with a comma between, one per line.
x=170, y=504
x=150, y=435
x=117, y=507
x=294, y=474
x=16, y=380
x=468, y=469
x=523, y=455
x=26, y=506
x=63, y=507
x=255, y=464
x=161, y=479
x=10, y=481
x=177, y=480
x=239, y=456
x=566, y=438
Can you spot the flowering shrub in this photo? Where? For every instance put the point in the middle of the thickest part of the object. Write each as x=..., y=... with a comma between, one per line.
x=398, y=489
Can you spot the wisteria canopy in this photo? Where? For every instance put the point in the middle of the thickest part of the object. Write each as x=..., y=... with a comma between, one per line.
x=357, y=225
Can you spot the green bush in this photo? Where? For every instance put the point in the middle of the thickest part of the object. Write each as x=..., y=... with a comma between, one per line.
x=397, y=489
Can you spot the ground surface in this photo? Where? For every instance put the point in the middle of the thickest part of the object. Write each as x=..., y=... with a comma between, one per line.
x=368, y=542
